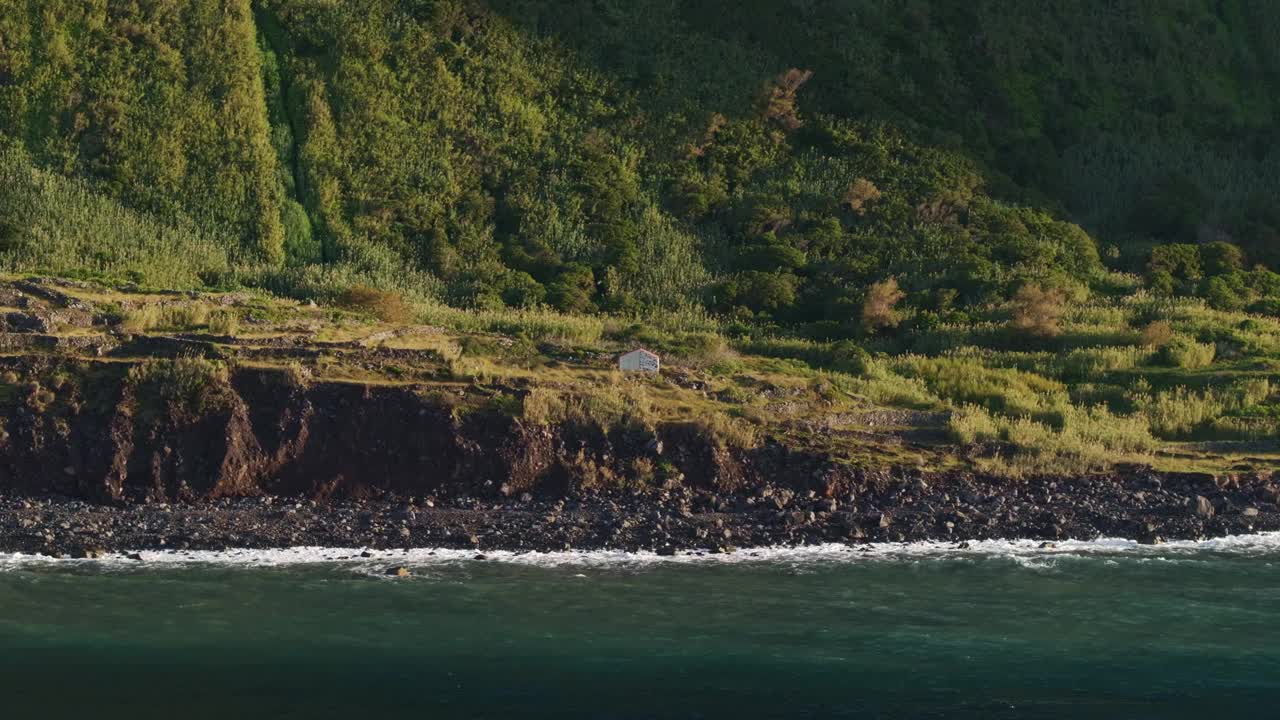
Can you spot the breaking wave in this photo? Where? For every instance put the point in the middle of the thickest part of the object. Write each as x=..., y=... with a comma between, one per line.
x=1027, y=553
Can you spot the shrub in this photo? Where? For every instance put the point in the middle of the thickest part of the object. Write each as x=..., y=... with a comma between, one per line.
x=1180, y=412
x=573, y=290
x=140, y=319
x=1180, y=262
x=1037, y=311
x=297, y=376
x=878, y=309
x=1266, y=306
x=1245, y=428
x=184, y=387
x=185, y=317
x=700, y=349
x=1188, y=355
x=1227, y=292
x=224, y=322
x=39, y=398
x=1157, y=334
x=861, y=193
x=385, y=305
x=847, y=357
x=885, y=387
x=300, y=244
x=1089, y=363
x=1089, y=438
x=964, y=381
x=157, y=316
x=536, y=325
x=1221, y=258
x=843, y=356
x=969, y=424
x=620, y=405
x=728, y=432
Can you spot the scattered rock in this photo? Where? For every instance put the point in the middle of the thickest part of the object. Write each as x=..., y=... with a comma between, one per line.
x=1204, y=508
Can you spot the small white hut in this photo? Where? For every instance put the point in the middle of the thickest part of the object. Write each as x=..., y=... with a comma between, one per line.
x=640, y=360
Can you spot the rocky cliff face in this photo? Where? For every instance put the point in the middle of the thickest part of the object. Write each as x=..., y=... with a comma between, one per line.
x=117, y=437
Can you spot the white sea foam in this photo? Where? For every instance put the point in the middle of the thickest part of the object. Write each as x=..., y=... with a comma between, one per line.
x=1027, y=553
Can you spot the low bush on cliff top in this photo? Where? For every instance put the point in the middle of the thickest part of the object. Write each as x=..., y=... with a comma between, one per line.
x=385, y=305
x=154, y=316
x=224, y=322
x=1181, y=413
x=1085, y=439
x=183, y=388
x=619, y=405
x=728, y=432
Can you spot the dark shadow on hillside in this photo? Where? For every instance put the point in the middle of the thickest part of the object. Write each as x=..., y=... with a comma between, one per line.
x=1076, y=106
x=870, y=60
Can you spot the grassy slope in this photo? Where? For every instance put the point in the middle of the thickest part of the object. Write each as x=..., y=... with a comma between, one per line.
x=525, y=151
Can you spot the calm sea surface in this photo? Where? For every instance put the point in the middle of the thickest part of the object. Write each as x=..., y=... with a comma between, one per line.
x=1089, y=632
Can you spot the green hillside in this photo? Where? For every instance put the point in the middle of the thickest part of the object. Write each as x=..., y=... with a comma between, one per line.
x=766, y=160
x=159, y=103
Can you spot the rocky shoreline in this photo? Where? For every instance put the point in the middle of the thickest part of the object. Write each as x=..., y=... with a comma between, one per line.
x=131, y=457
x=1147, y=506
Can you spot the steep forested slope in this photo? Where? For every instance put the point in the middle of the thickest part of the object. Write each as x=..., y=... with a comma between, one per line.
x=769, y=159
x=160, y=102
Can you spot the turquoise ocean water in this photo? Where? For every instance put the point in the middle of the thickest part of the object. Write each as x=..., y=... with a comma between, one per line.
x=998, y=631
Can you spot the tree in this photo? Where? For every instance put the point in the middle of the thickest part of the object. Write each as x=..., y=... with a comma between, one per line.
x=1227, y=292
x=1221, y=258
x=861, y=192
x=573, y=290
x=1175, y=268
x=1037, y=311
x=759, y=291
x=878, y=309
x=778, y=100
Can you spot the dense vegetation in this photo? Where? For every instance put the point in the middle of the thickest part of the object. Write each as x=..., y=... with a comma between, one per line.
x=769, y=160
x=1063, y=200
x=159, y=103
